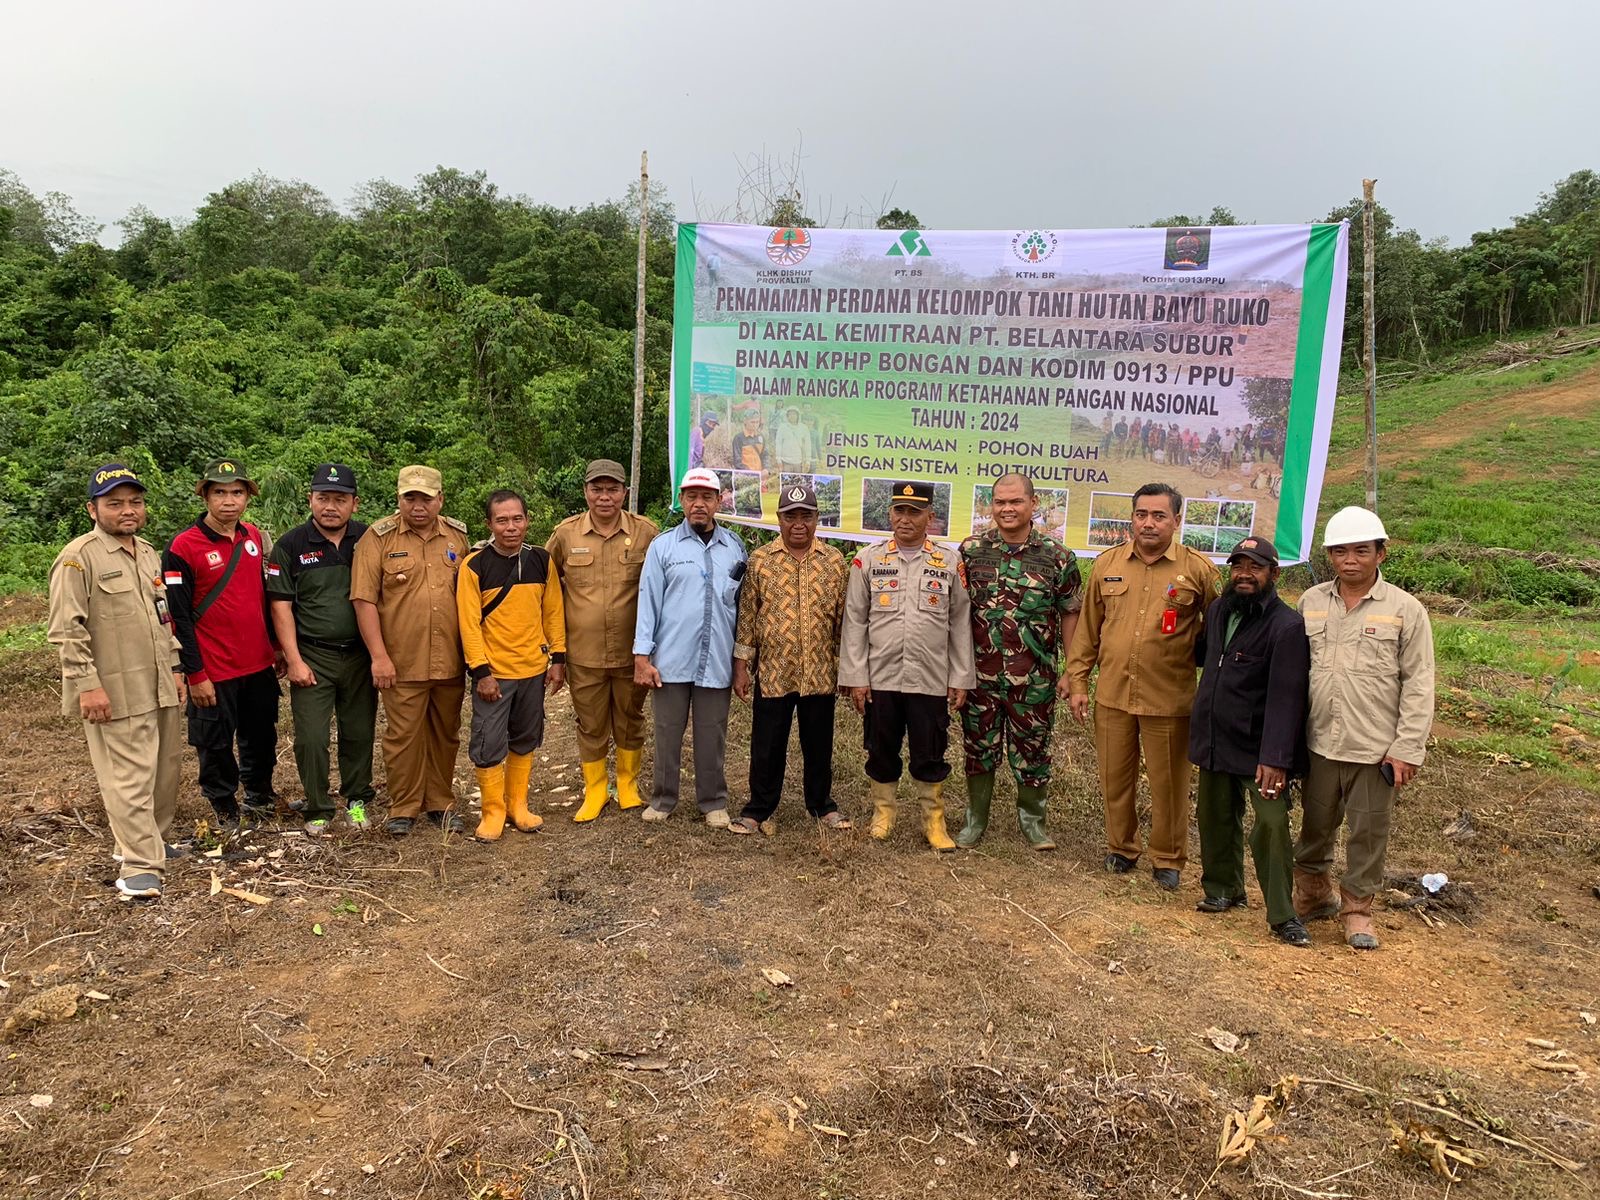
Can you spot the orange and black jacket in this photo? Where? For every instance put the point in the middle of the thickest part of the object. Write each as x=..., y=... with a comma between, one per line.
x=510, y=611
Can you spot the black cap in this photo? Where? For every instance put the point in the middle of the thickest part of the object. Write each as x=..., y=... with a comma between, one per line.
x=798, y=495
x=333, y=477
x=1257, y=549
x=912, y=492
x=112, y=475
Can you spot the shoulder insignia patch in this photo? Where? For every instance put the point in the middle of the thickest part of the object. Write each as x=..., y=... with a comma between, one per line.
x=386, y=526
x=458, y=526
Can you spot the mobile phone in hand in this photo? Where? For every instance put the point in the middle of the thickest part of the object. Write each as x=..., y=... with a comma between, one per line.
x=1386, y=769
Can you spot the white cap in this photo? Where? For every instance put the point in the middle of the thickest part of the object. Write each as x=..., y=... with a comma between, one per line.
x=701, y=477
x=1351, y=525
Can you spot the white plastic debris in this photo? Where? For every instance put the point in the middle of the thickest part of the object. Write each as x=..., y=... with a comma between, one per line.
x=1435, y=883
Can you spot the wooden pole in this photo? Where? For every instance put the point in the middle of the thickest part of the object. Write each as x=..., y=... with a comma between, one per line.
x=638, y=333
x=1369, y=353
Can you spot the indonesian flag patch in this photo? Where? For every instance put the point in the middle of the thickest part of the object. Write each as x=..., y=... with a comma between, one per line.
x=174, y=578
x=274, y=570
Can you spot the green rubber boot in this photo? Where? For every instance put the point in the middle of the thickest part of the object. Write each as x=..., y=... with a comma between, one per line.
x=980, y=792
x=1030, y=817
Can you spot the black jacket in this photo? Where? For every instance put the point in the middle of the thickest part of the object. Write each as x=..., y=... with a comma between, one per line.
x=1251, y=704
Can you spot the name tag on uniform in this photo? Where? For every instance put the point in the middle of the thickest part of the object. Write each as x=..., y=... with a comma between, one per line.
x=1112, y=579
x=117, y=574
x=885, y=571
x=577, y=550
x=399, y=554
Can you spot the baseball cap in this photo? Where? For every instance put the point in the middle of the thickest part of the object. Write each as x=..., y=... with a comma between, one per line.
x=225, y=470
x=419, y=479
x=700, y=477
x=1258, y=549
x=604, y=468
x=110, y=476
x=912, y=492
x=799, y=495
x=333, y=477
x=712, y=417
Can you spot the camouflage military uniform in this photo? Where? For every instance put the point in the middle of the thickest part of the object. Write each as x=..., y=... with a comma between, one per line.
x=1018, y=597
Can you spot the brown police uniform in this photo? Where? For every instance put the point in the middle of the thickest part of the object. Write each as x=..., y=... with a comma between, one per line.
x=411, y=578
x=600, y=588
x=109, y=619
x=1146, y=687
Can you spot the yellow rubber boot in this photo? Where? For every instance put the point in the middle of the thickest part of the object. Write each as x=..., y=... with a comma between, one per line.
x=628, y=762
x=594, y=791
x=883, y=797
x=518, y=769
x=931, y=797
x=492, y=788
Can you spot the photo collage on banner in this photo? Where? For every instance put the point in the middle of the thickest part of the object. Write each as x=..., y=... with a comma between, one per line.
x=1092, y=360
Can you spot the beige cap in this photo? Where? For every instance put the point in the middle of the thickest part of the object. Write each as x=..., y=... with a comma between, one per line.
x=420, y=479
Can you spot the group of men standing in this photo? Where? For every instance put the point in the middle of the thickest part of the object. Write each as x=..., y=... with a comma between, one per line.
x=909, y=631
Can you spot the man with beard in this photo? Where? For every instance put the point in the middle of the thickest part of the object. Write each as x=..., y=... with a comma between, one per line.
x=683, y=646
x=120, y=674
x=330, y=673
x=1247, y=736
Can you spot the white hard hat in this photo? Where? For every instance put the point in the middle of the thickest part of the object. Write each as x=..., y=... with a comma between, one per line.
x=1351, y=525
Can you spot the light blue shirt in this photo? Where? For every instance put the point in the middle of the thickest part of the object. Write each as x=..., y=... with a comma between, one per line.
x=688, y=603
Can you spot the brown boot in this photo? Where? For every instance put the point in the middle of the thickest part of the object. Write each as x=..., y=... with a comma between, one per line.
x=1313, y=895
x=883, y=796
x=1358, y=931
x=931, y=797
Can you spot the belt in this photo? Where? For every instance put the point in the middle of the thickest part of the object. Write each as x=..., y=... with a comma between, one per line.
x=339, y=647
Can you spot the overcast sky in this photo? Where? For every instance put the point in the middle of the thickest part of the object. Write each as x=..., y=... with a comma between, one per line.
x=994, y=115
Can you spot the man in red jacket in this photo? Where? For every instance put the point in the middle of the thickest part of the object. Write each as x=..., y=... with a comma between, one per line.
x=215, y=579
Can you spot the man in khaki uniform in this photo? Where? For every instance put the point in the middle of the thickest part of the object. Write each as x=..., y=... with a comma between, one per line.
x=906, y=658
x=403, y=585
x=1143, y=609
x=1370, y=713
x=599, y=555
x=120, y=674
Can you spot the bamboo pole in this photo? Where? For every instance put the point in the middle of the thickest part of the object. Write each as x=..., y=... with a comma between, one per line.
x=1369, y=353
x=638, y=333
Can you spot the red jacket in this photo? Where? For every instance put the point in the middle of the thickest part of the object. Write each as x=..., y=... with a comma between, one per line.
x=233, y=636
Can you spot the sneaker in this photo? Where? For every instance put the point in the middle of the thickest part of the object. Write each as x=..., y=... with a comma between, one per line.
x=652, y=813
x=146, y=888
x=398, y=826
x=356, y=814
x=448, y=821
x=1292, y=932
x=717, y=818
x=1118, y=864
x=316, y=827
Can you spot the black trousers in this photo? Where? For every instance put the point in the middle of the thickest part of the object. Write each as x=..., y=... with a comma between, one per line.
x=246, y=709
x=770, y=719
x=922, y=722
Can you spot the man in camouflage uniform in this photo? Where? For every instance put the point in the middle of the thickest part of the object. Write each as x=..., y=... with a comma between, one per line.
x=1025, y=601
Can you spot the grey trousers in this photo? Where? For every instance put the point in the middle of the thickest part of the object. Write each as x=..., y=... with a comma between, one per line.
x=513, y=723
x=1354, y=795
x=672, y=705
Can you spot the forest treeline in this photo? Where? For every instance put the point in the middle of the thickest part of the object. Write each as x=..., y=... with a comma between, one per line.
x=488, y=334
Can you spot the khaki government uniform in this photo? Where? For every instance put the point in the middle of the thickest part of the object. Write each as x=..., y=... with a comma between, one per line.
x=109, y=619
x=1372, y=682
x=411, y=578
x=1145, y=689
x=600, y=588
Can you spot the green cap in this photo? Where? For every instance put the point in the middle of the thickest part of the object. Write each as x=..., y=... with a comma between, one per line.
x=225, y=470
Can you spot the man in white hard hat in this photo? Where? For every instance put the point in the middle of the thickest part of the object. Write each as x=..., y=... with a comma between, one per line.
x=1370, y=712
x=683, y=646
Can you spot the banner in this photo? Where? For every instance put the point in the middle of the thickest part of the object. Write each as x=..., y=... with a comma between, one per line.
x=1093, y=361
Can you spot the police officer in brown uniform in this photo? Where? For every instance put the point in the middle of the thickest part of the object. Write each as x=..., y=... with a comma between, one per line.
x=120, y=674
x=599, y=554
x=1143, y=609
x=403, y=585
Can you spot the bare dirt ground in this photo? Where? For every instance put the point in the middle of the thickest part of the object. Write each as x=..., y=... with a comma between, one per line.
x=592, y=1011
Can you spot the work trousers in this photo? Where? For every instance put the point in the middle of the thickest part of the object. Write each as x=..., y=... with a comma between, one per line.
x=922, y=722
x=1120, y=740
x=1016, y=720
x=770, y=719
x=672, y=706
x=512, y=724
x=609, y=707
x=1353, y=794
x=343, y=692
x=1220, y=801
x=422, y=732
x=135, y=763
x=246, y=710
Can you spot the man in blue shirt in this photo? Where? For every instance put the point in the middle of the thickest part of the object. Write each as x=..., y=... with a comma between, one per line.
x=683, y=646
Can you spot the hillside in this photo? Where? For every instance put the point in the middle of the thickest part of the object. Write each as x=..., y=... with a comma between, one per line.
x=593, y=1011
